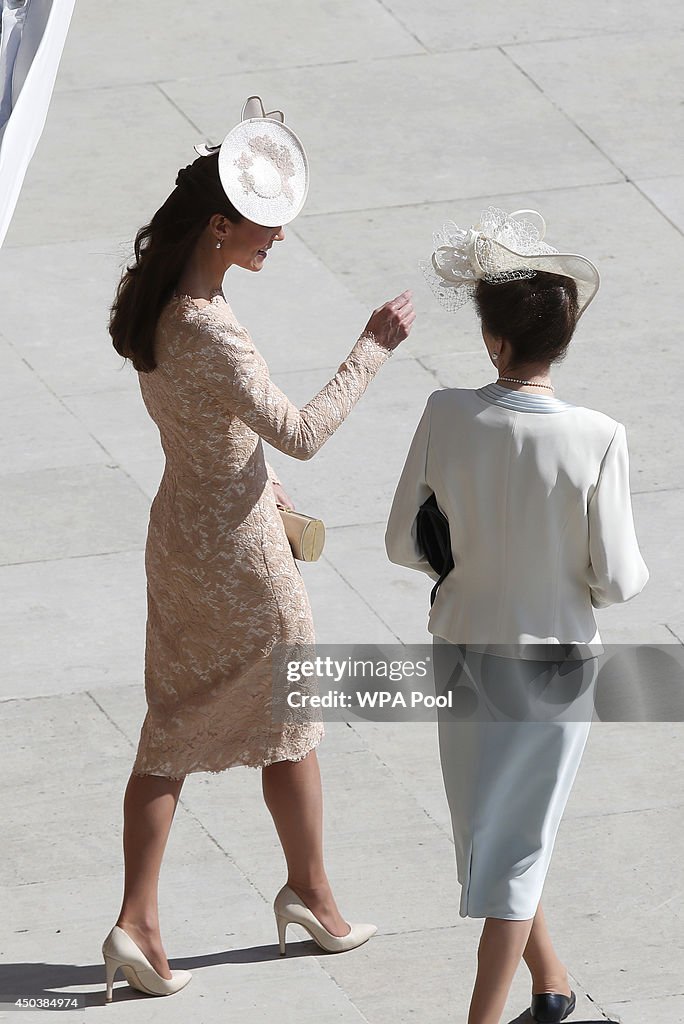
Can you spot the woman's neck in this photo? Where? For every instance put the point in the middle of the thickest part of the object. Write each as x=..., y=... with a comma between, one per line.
x=539, y=379
x=202, y=276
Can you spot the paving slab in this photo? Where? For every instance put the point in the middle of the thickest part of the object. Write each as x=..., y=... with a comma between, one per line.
x=271, y=35
x=45, y=436
x=399, y=595
x=410, y=752
x=118, y=420
x=439, y=27
x=82, y=510
x=18, y=378
x=667, y=194
x=631, y=759
x=590, y=79
x=658, y=1010
x=62, y=337
x=77, y=623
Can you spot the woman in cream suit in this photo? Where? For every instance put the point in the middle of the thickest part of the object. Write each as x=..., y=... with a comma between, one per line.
x=536, y=493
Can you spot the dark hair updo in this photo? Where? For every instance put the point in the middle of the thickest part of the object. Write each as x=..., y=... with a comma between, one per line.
x=536, y=315
x=162, y=249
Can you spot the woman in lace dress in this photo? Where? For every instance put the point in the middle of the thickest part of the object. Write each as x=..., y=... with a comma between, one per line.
x=222, y=585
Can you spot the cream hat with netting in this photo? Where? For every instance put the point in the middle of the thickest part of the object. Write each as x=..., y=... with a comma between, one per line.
x=500, y=247
x=262, y=166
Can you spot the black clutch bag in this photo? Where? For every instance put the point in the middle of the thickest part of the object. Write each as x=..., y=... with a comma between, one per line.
x=434, y=540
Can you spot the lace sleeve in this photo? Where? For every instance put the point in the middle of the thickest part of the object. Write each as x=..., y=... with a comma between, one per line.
x=237, y=376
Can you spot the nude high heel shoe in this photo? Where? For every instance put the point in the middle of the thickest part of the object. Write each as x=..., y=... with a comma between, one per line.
x=119, y=950
x=289, y=909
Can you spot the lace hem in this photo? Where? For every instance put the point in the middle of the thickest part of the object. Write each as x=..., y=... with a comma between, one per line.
x=289, y=751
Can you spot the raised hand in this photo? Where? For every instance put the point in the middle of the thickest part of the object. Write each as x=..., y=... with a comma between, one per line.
x=392, y=322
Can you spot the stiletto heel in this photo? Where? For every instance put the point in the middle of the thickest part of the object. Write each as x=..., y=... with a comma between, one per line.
x=282, y=928
x=289, y=909
x=111, y=967
x=119, y=950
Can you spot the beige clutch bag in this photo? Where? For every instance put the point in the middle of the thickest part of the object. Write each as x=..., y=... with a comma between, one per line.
x=305, y=534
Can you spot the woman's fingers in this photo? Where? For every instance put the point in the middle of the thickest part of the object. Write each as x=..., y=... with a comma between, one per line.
x=401, y=300
x=391, y=322
x=403, y=327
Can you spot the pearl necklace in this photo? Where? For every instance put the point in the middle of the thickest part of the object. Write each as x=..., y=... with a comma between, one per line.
x=534, y=383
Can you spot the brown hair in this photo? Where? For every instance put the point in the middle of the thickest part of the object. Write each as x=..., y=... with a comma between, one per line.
x=161, y=249
x=536, y=315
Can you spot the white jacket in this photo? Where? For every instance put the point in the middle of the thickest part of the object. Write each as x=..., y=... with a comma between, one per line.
x=536, y=491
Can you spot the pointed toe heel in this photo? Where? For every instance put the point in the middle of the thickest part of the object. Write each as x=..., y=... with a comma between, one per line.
x=290, y=909
x=120, y=951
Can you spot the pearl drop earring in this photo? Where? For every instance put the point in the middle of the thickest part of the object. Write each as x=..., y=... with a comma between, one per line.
x=218, y=244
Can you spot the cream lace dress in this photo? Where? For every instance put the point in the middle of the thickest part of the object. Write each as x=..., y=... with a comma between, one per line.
x=222, y=585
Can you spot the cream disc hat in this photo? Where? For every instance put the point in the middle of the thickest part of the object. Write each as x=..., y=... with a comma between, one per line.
x=262, y=166
x=501, y=247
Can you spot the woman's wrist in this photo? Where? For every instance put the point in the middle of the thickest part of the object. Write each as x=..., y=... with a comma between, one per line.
x=368, y=342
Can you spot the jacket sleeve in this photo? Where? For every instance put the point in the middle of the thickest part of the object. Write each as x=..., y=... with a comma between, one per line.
x=412, y=490
x=236, y=376
x=616, y=572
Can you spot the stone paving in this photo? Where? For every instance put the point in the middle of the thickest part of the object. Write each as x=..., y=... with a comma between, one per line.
x=411, y=113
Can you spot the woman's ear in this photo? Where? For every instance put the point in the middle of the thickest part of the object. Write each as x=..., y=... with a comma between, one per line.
x=220, y=224
x=492, y=344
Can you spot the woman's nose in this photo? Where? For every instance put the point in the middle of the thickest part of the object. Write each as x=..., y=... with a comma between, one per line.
x=279, y=236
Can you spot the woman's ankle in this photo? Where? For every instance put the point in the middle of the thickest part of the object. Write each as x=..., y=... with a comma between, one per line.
x=556, y=981
x=143, y=925
x=312, y=887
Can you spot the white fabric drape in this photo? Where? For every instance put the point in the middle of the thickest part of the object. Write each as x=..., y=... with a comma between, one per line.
x=31, y=44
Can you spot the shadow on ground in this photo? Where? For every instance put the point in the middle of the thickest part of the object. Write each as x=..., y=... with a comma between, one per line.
x=42, y=979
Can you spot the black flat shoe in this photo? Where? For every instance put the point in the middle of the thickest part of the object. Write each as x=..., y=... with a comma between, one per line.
x=552, y=1007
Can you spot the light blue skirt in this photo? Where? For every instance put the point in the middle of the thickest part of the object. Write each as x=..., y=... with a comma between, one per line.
x=510, y=749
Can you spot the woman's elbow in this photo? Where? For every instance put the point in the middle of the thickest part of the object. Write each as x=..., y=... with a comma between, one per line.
x=303, y=447
x=304, y=453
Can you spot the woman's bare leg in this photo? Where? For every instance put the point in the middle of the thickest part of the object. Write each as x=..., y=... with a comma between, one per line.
x=149, y=806
x=498, y=956
x=548, y=972
x=293, y=795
